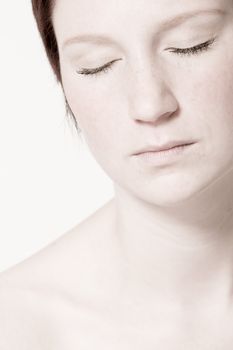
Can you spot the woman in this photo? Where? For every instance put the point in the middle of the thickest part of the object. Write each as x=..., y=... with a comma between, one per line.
x=150, y=84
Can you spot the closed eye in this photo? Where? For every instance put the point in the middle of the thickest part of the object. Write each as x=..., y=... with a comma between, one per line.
x=195, y=49
x=93, y=71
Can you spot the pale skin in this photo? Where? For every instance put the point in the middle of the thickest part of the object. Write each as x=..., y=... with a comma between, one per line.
x=153, y=268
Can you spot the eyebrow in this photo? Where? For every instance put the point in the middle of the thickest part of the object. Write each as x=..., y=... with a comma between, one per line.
x=172, y=22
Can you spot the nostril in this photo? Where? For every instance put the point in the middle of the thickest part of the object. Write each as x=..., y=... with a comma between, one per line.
x=154, y=118
x=152, y=106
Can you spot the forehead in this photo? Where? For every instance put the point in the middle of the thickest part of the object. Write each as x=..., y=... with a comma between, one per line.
x=129, y=8
x=71, y=17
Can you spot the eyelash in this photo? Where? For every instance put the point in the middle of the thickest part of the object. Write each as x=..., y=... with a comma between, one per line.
x=98, y=70
x=195, y=50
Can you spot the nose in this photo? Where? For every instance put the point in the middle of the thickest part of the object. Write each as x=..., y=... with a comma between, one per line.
x=150, y=98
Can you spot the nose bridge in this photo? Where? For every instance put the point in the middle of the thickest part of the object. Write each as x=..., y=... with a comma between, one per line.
x=150, y=97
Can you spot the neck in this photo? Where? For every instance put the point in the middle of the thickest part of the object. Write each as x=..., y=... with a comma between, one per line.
x=182, y=252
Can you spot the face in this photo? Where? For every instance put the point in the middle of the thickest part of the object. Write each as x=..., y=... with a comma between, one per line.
x=131, y=82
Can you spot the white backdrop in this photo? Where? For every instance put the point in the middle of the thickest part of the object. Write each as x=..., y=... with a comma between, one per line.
x=49, y=181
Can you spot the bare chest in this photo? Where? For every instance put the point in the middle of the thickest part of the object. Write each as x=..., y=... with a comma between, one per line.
x=120, y=331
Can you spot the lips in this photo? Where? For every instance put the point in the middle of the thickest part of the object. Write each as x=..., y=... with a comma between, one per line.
x=164, y=147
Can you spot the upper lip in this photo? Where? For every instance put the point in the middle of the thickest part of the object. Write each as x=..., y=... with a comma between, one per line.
x=168, y=145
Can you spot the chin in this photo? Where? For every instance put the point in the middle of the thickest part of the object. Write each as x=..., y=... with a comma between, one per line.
x=173, y=193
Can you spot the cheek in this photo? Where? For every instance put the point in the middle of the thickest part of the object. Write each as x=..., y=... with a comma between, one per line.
x=210, y=98
x=211, y=101
x=215, y=91
x=100, y=108
x=96, y=114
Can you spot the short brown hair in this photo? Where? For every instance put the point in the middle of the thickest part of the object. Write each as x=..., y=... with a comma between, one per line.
x=42, y=11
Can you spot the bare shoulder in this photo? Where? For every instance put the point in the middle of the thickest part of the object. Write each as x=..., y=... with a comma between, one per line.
x=64, y=262
x=24, y=319
x=41, y=293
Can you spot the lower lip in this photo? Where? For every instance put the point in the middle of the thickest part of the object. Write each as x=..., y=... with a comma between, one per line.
x=164, y=157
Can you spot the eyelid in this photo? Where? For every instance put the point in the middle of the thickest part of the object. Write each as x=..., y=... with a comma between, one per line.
x=87, y=71
x=208, y=42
